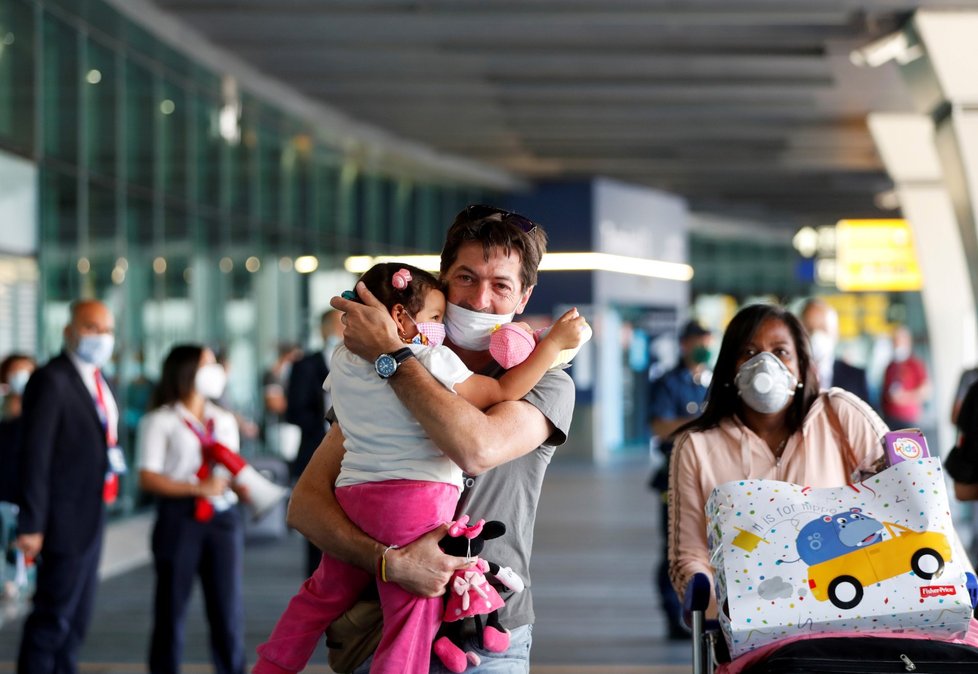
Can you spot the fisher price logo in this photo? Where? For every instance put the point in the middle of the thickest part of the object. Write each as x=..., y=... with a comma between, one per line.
x=937, y=591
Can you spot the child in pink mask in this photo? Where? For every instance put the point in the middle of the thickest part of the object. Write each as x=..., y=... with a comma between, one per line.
x=394, y=483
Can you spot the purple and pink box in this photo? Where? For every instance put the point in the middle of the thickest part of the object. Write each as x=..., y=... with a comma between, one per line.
x=908, y=444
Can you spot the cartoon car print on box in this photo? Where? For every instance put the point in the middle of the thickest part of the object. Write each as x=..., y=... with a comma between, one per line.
x=847, y=551
x=876, y=556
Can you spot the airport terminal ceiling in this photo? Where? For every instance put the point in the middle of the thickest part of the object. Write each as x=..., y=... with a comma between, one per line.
x=746, y=107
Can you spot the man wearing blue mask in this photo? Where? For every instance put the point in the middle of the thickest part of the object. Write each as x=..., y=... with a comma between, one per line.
x=489, y=266
x=69, y=473
x=676, y=398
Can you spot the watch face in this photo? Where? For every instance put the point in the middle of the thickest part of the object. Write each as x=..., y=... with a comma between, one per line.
x=385, y=365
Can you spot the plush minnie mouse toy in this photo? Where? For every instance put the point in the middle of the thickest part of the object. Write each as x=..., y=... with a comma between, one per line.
x=470, y=594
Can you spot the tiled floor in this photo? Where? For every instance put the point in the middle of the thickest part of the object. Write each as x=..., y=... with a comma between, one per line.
x=593, y=556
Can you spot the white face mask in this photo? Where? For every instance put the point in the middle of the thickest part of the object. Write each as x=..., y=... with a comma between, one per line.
x=823, y=348
x=471, y=330
x=95, y=349
x=901, y=353
x=17, y=381
x=331, y=343
x=210, y=381
x=765, y=384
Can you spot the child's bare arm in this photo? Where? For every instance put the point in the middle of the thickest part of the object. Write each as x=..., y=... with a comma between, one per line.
x=484, y=392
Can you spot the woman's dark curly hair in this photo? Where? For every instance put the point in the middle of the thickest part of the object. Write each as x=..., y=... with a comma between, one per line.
x=379, y=281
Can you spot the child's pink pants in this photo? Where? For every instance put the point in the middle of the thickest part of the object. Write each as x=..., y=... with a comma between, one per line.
x=394, y=512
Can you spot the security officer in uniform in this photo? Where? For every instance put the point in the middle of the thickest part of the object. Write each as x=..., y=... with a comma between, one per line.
x=677, y=397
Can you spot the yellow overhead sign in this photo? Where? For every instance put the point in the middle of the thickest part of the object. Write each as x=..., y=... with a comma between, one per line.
x=875, y=255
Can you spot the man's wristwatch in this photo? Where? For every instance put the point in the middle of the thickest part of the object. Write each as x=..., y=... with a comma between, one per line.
x=387, y=363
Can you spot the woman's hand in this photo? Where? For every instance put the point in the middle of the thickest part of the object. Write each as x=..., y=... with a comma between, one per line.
x=212, y=486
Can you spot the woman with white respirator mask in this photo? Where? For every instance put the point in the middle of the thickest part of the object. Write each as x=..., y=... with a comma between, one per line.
x=182, y=454
x=765, y=418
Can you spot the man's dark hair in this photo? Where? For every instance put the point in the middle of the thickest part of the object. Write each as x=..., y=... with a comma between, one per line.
x=379, y=281
x=723, y=401
x=496, y=228
x=177, y=379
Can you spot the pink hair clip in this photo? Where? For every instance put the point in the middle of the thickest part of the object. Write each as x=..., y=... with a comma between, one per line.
x=401, y=279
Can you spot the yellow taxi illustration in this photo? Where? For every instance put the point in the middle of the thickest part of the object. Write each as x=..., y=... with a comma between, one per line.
x=841, y=579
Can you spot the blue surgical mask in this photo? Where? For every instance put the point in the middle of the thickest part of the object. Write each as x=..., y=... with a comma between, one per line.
x=17, y=381
x=95, y=349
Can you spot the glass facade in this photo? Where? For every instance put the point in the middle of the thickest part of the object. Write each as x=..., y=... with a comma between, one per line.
x=181, y=199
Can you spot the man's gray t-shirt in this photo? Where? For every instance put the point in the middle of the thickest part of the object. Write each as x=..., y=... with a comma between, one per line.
x=510, y=493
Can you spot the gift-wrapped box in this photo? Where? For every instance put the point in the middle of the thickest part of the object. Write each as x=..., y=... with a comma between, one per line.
x=877, y=556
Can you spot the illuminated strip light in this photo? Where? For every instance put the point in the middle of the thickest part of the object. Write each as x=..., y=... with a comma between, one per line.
x=619, y=264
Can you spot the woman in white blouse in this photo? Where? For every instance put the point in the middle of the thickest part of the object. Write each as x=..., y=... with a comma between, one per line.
x=198, y=530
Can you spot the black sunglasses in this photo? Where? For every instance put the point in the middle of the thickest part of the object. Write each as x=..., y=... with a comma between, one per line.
x=480, y=211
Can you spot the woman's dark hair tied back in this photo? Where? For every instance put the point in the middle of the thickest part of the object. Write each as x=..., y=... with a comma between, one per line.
x=177, y=379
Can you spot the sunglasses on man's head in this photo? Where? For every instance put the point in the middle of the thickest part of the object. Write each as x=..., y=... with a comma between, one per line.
x=480, y=211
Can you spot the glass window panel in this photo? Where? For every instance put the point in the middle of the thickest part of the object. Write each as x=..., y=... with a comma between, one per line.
x=139, y=40
x=101, y=216
x=177, y=276
x=17, y=75
x=60, y=281
x=99, y=276
x=174, y=113
x=178, y=65
x=357, y=215
x=426, y=217
x=206, y=80
x=176, y=228
x=240, y=231
x=243, y=164
x=59, y=208
x=102, y=18
x=140, y=114
x=207, y=151
x=61, y=81
x=210, y=233
x=139, y=221
x=301, y=208
x=370, y=197
x=270, y=174
x=401, y=213
x=326, y=183
x=100, y=92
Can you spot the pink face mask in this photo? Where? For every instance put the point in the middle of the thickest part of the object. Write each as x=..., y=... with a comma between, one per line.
x=429, y=334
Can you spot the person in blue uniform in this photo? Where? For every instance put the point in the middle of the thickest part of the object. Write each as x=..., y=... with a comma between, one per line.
x=676, y=398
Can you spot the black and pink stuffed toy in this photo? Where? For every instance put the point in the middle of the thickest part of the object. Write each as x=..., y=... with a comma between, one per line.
x=470, y=594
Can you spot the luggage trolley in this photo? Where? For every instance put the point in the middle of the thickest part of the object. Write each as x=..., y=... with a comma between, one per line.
x=829, y=655
x=705, y=632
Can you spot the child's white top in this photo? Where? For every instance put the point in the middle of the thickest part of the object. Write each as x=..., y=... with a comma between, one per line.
x=382, y=440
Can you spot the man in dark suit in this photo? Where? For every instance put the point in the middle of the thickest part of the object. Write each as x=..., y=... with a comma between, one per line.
x=69, y=471
x=822, y=323
x=307, y=404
